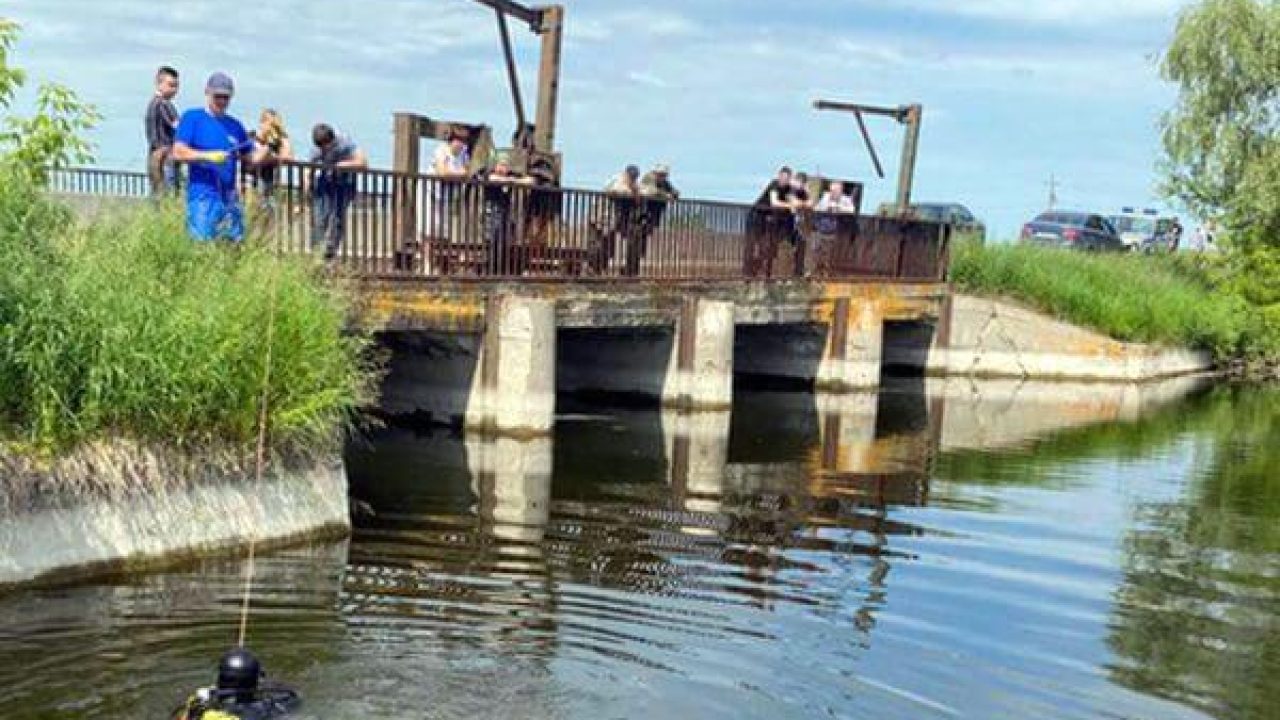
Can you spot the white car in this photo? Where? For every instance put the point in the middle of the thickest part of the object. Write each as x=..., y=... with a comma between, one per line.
x=1136, y=229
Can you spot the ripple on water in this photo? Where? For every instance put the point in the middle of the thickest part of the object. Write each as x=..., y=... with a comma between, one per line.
x=1122, y=571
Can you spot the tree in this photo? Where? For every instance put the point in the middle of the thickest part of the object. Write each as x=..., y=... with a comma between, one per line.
x=54, y=136
x=1222, y=140
x=1222, y=146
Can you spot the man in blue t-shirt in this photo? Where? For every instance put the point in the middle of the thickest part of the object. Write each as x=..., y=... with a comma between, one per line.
x=211, y=142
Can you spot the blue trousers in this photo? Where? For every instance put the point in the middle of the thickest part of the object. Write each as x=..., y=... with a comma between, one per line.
x=215, y=217
x=329, y=215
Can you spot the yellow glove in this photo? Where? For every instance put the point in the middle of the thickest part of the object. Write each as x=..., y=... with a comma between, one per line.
x=217, y=157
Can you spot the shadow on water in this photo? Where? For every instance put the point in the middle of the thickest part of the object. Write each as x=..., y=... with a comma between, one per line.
x=938, y=549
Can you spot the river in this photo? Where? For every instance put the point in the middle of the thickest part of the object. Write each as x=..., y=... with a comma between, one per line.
x=980, y=551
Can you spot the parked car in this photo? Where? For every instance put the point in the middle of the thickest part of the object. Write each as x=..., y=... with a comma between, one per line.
x=959, y=216
x=1075, y=230
x=1137, y=230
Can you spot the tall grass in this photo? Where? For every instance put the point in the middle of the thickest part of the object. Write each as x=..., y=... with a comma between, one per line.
x=124, y=327
x=1140, y=298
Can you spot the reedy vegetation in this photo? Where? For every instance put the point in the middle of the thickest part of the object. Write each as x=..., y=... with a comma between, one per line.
x=122, y=330
x=123, y=327
x=1182, y=300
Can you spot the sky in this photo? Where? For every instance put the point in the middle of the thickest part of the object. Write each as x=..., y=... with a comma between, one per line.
x=1014, y=91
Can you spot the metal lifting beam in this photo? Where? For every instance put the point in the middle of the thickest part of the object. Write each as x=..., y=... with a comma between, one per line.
x=908, y=115
x=548, y=23
x=531, y=16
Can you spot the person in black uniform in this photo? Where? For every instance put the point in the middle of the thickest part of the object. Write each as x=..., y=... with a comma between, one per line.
x=240, y=694
x=773, y=221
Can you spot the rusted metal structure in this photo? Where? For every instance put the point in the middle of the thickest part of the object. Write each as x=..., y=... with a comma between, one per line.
x=533, y=143
x=484, y=231
x=908, y=115
x=548, y=24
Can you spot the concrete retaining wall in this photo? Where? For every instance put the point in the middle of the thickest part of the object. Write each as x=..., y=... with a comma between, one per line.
x=138, y=530
x=990, y=338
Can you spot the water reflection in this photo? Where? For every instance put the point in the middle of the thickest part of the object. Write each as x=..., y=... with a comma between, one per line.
x=933, y=550
x=133, y=646
x=1196, y=616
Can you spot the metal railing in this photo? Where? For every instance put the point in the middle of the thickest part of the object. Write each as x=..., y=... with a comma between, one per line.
x=387, y=224
x=92, y=181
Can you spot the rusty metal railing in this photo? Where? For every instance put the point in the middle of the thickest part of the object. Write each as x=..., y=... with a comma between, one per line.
x=386, y=224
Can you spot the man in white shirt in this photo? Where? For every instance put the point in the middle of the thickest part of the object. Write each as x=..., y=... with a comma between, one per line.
x=451, y=164
x=452, y=158
x=836, y=200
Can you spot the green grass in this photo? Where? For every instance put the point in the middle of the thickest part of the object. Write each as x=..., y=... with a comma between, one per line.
x=125, y=328
x=1140, y=298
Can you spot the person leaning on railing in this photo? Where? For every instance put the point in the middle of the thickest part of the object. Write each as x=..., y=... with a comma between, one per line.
x=834, y=219
x=498, y=180
x=802, y=208
x=656, y=191
x=774, y=220
x=272, y=136
x=333, y=188
x=451, y=163
x=623, y=191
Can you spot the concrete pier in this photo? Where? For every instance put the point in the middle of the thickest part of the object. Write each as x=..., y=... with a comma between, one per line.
x=851, y=358
x=701, y=371
x=513, y=392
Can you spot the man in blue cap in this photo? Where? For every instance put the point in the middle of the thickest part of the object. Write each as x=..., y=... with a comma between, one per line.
x=211, y=142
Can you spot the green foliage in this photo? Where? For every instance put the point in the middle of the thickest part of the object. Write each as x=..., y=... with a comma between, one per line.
x=54, y=136
x=11, y=78
x=124, y=327
x=1222, y=140
x=1140, y=298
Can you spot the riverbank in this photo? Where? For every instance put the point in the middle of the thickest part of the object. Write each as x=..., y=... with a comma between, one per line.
x=112, y=508
x=1169, y=301
x=145, y=376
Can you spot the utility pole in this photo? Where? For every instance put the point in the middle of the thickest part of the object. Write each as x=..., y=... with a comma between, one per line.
x=1053, y=191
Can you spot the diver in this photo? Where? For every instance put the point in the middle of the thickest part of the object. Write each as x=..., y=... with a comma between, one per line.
x=240, y=694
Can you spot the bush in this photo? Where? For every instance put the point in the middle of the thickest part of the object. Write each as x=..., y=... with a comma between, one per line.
x=124, y=327
x=1172, y=300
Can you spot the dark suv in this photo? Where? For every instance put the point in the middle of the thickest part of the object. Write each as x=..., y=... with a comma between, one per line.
x=1075, y=230
x=955, y=214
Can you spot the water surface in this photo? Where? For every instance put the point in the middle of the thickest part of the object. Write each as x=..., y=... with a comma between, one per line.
x=981, y=551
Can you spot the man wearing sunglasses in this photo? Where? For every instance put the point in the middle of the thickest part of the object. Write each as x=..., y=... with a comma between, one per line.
x=212, y=142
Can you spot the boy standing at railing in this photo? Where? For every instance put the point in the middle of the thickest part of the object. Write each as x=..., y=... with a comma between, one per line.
x=334, y=187
x=161, y=123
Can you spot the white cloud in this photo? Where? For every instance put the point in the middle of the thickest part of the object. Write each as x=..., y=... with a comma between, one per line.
x=720, y=88
x=648, y=79
x=1081, y=12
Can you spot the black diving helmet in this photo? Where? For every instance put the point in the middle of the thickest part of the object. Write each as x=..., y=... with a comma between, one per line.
x=239, y=673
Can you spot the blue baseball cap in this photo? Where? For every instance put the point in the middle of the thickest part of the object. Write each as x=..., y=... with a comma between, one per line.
x=220, y=84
